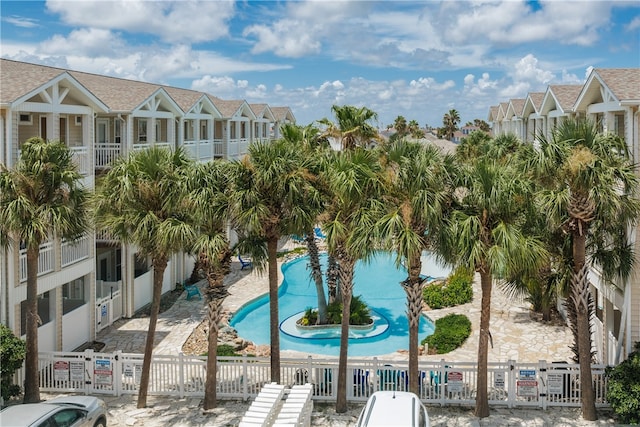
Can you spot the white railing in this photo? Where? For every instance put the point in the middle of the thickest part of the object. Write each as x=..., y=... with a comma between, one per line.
x=146, y=145
x=105, y=154
x=45, y=260
x=105, y=236
x=510, y=384
x=73, y=252
x=81, y=159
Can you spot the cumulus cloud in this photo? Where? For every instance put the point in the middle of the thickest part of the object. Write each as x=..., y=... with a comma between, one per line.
x=172, y=21
x=91, y=42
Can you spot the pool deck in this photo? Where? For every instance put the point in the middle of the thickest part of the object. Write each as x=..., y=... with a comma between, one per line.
x=515, y=336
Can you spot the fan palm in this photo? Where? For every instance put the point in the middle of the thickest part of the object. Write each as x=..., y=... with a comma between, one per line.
x=417, y=201
x=41, y=197
x=352, y=127
x=355, y=183
x=485, y=233
x=142, y=201
x=271, y=198
x=210, y=186
x=590, y=194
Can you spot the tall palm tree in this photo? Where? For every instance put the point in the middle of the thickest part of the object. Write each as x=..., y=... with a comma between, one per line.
x=590, y=194
x=450, y=123
x=414, y=129
x=400, y=125
x=272, y=193
x=417, y=200
x=485, y=234
x=355, y=184
x=142, y=201
x=209, y=187
x=40, y=198
x=307, y=138
x=352, y=127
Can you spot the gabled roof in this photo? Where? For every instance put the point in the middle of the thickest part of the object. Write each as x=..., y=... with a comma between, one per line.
x=262, y=111
x=502, y=110
x=22, y=81
x=515, y=107
x=532, y=103
x=620, y=85
x=283, y=114
x=232, y=108
x=191, y=101
x=560, y=97
x=493, y=113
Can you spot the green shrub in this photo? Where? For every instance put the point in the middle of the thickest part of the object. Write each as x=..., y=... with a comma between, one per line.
x=623, y=390
x=456, y=290
x=451, y=332
x=360, y=314
x=12, y=353
x=226, y=350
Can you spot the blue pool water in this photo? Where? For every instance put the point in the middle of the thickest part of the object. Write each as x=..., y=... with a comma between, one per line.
x=378, y=282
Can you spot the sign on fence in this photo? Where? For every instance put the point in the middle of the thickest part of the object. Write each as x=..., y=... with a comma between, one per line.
x=527, y=388
x=61, y=370
x=555, y=383
x=498, y=380
x=527, y=374
x=77, y=371
x=455, y=384
x=103, y=372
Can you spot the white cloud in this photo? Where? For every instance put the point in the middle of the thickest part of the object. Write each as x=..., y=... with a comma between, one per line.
x=633, y=25
x=527, y=69
x=172, y=21
x=91, y=42
x=20, y=21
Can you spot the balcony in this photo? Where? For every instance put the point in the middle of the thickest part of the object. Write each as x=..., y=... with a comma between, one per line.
x=106, y=153
x=73, y=252
x=45, y=261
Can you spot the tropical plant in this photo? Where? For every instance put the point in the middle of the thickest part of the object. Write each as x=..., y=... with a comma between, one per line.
x=143, y=201
x=590, y=187
x=451, y=332
x=414, y=130
x=40, y=198
x=623, y=388
x=400, y=125
x=273, y=197
x=352, y=127
x=417, y=199
x=450, y=124
x=355, y=184
x=12, y=354
x=456, y=290
x=209, y=186
x=485, y=234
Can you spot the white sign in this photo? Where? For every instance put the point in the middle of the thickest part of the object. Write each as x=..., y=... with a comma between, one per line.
x=77, y=371
x=555, y=383
x=527, y=388
x=454, y=382
x=498, y=380
x=103, y=372
x=61, y=370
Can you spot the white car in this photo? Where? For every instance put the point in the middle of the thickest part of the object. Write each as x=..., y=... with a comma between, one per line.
x=67, y=411
x=393, y=409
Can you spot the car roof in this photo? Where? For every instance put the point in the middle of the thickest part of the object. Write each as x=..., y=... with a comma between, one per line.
x=25, y=414
x=391, y=408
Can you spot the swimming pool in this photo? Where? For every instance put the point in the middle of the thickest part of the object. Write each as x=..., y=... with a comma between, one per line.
x=378, y=282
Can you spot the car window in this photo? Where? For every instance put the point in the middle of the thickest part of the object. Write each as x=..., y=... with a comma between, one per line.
x=67, y=417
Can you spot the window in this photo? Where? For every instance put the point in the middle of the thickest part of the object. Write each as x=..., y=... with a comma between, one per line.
x=117, y=131
x=25, y=119
x=73, y=295
x=203, y=130
x=142, y=130
x=78, y=121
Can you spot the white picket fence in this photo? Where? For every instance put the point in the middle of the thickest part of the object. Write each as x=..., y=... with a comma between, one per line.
x=510, y=384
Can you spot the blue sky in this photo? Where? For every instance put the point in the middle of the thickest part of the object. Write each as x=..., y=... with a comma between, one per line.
x=416, y=59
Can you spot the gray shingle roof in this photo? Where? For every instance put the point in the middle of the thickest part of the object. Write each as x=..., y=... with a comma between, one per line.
x=623, y=82
x=20, y=78
x=566, y=95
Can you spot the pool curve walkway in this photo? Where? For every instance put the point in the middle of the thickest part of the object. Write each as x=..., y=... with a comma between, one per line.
x=515, y=336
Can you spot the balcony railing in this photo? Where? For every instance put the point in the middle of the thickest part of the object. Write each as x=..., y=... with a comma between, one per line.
x=45, y=261
x=81, y=159
x=106, y=154
x=73, y=252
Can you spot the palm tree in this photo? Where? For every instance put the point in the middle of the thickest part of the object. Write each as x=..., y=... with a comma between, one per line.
x=308, y=139
x=209, y=185
x=271, y=198
x=485, y=234
x=417, y=200
x=352, y=127
x=142, y=201
x=414, y=130
x=400, y=125
x=590, y=185
x=450, y=123
x=355, y=184
x=40, y=198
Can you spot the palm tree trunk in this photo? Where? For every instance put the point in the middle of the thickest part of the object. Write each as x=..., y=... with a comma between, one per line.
x=159, y=266
x=316, y=274
x=333, y=270
x=272, y=248
x=413, y=287
x=346, y=285
x=482, y=398
x=581, y=298
x=31, y=381
x=214, y=315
